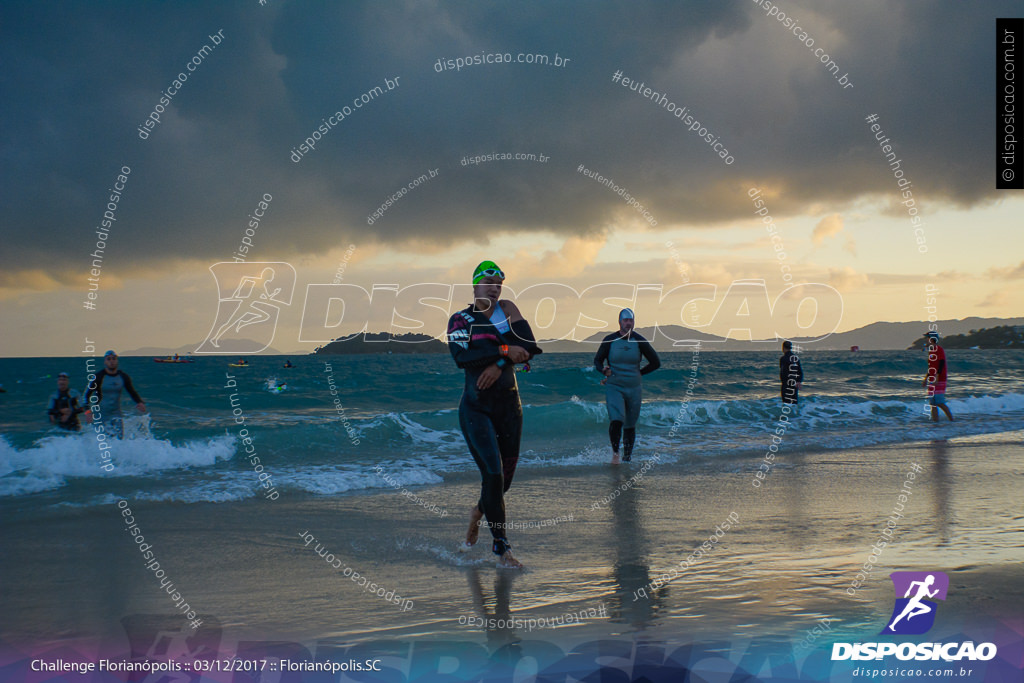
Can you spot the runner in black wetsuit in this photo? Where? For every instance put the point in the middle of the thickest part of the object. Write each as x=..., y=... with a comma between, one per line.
x=65, y=405
x=108, y=407
x=487, y=339
x=791, y=375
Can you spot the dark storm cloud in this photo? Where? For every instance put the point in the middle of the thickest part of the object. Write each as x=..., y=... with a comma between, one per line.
x=79, y=79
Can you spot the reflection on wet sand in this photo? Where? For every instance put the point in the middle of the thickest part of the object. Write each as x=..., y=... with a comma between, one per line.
x=496, y=612
x=939, y=450
x=631, y=571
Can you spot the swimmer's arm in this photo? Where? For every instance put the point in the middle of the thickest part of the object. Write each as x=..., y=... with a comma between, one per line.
x=94, y=388
x=466, y=355
x=653, y=362
x=131, y=389
x=602, y=355
x=523, y=335
x=511, y=311
x=520, y=330
x=489, y=376
x=140, y=405
x=474, y=358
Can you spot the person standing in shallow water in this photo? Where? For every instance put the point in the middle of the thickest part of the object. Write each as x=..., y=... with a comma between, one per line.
x=64, y=407
x=935, y=379
x=487, y=339
x=624, y=350
x=791, y=375
x=107, y=387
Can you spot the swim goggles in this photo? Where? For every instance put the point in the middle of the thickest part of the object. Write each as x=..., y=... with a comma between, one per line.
x=491, y=272
x=487, y=269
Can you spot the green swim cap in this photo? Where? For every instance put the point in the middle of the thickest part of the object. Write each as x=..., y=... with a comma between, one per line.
x=487, y=269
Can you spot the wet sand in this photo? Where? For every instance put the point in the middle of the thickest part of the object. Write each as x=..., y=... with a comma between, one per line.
x=793, y=547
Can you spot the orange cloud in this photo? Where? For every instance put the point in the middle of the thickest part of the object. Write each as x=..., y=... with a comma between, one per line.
x=829, y=226
x=847, y=278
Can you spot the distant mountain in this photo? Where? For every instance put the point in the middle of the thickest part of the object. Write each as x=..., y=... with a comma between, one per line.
x=874, y=337
x=879, y=336
x=1003, y=337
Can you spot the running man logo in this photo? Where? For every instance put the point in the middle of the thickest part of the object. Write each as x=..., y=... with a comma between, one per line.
x=914, y=613
x=250, y=296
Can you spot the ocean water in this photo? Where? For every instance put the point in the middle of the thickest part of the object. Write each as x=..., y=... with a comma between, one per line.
x=401, y=412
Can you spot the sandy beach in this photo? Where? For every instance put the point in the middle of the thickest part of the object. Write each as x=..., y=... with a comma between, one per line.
x=779, y=569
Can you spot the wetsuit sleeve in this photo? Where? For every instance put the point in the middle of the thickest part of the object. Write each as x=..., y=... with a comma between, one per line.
x=799, y=372
x=130, y=389
x=523, y=336
x=95, y=387
x=52, y=408
x=602, y=354
x=782, y=369
x=464, y=353
x=653, y=362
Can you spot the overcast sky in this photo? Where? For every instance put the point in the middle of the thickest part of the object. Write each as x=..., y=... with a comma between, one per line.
x=80, y=79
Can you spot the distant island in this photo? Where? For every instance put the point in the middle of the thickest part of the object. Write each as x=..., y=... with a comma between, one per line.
x=383, y=342
x=1003, y=337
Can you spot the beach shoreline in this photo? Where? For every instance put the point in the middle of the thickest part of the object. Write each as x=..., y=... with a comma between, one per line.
x=783, y=566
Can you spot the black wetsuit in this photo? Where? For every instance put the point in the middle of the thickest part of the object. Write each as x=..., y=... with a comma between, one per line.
x=790, y=374
x=110, y=406
x=65, y=399
x=491, y=419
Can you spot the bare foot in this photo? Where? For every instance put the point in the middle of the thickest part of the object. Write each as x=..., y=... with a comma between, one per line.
x=506, y=561
x=473, y=532
x=615, y=457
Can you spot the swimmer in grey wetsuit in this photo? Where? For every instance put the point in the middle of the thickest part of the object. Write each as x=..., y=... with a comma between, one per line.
x=623, y=351
x=107, y=386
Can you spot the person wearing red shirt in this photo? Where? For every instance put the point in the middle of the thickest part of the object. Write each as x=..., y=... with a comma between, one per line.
x=935, y=380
